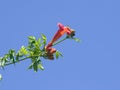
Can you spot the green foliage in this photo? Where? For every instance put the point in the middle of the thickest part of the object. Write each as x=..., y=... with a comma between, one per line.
x=71, y=36
x=0, y=77
x=34, y=51
x=34, y=46
x=11, y=55
x=58, y=54
x=76, y=39
x=44, y=39
x=23, y=51
x=36, y=64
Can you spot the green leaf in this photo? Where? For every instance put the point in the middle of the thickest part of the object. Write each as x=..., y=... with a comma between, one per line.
x=39, y=43
x=2, y=62
x=0, y=77
x=77, y=39
x=30, y=66
x=11, y=55
x=57, y=54
x=40, y=66
x=23, y=51
x=35, y=67
x=44, y=38
x=31, y=39
x=17, y=57
x=36, y=64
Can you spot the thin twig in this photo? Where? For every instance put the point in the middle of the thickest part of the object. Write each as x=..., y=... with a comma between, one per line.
x=17, y=61
x=59, y=41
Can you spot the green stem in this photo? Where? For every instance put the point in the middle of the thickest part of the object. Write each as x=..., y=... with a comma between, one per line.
x=60, y=41
x=35, y=56
x=27, y=57
x=17, y=61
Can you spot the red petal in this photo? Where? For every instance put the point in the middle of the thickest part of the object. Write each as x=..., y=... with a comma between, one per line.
x=52, y=51
x=61, y=26
x=59, y=33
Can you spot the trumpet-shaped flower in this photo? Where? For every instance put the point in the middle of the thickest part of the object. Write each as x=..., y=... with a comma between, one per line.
x=61, y=31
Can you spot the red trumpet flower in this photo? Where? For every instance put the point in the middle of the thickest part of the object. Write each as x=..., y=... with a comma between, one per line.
x=61, y=31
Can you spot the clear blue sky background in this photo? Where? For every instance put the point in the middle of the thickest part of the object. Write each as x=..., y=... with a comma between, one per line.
x=93, y=64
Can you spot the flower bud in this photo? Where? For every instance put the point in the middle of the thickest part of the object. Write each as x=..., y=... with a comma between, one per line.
x=52, y=51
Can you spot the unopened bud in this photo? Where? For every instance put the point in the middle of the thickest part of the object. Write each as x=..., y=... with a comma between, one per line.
x=52, y=51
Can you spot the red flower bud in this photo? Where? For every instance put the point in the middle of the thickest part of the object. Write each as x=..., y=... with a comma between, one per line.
x=52, y=51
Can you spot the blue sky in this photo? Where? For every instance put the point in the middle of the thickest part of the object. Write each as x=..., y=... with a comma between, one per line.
x=93, y=64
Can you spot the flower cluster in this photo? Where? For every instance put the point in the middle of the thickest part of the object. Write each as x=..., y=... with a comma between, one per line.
x=61, y=31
